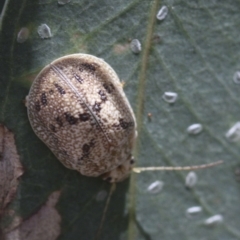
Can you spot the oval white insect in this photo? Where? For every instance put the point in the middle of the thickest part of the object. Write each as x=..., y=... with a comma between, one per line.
x=236, y=77
x=215, y=219
x=23, y=35
x=44, y=31
x=77, y=107
x=155, y=187
x=191, y=179
x=195, y=128
x=135, y=46
x=162, y=13
x=193, y=210
x=233, y=134
x=170, y=97
x=101, y=195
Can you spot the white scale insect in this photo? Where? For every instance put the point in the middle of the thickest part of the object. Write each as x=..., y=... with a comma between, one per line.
x=77, y=107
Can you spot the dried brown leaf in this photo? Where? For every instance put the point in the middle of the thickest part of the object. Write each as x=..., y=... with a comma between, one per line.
x=10, y=167
x=45, y=224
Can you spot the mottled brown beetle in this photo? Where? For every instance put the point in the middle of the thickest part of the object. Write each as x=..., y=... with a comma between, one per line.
x=77, y=107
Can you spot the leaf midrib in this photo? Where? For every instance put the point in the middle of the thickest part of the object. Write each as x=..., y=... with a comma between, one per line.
x=139, y=111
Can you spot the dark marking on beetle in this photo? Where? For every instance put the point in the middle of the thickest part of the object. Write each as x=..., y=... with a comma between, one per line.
x=108, y=179
x=63, y=152
x=44, y=99
x=51, y=92
x=60, y=67
x=59, y=121
x=86, y=149
x=132, y=161
x=117, y=126
x=96, y=107
x=109, y=87
x=55, y=139
x=125, y=124
x=84, y=117
x=104, y=120
x=102, y=95
x=90, y=67
x=60, y=89
x=37, y=106
x=78, y=78
x=52, y=128
x=70, y=119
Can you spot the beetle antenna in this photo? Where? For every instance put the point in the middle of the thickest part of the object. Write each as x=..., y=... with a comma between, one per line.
x=178, y=168
x=112, y=189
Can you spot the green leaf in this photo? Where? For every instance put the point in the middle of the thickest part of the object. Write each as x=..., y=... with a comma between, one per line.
x=194, y=52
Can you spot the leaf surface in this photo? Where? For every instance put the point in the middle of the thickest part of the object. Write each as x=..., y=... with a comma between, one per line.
x=194, y=52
